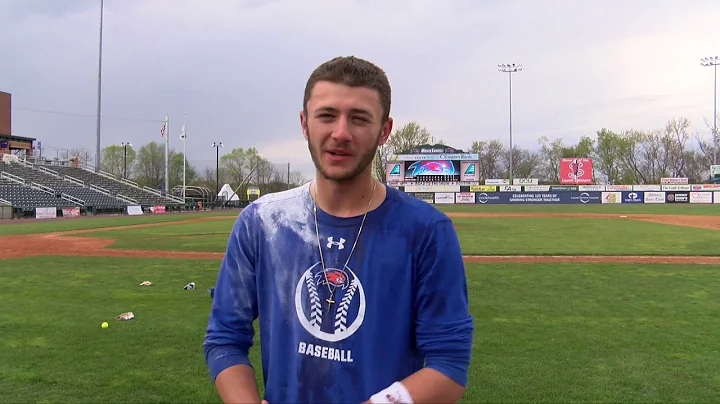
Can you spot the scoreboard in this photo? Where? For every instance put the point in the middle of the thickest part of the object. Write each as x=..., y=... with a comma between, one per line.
x=444, y=165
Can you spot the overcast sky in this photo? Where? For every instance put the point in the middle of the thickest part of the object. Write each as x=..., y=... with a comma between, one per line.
x=238, y=67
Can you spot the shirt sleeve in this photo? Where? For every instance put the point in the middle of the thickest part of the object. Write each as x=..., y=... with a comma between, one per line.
x=443, y=324
x=230, y=330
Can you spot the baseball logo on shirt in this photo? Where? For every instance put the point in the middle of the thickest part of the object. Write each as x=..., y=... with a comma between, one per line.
x=347, y=312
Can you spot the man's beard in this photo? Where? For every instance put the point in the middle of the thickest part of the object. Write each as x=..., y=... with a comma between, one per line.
x=364, y=161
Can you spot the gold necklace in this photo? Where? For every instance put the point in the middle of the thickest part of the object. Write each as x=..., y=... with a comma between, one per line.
x=331, y=290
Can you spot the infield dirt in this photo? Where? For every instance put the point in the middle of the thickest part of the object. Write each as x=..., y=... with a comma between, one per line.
x=66, y=244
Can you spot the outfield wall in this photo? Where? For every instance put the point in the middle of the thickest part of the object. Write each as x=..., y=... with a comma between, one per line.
x=565, y=194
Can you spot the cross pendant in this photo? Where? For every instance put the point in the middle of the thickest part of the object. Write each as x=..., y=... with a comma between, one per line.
x=329, y=301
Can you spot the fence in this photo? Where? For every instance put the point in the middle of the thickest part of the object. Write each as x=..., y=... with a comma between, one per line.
x=564, y=194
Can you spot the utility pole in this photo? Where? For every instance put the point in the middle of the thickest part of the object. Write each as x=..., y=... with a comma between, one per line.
x=124, y=146
x=99, y=93
x=217, y=146
x=713, y=62
x=510, y=68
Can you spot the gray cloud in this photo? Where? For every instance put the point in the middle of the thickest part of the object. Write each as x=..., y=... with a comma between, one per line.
x=238, y=68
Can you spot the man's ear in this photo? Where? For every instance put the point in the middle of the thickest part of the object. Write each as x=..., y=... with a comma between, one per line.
x=386, y=131
x=303, y=124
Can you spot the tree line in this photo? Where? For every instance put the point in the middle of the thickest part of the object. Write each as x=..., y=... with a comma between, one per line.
x=629, y=156
x=146, y=166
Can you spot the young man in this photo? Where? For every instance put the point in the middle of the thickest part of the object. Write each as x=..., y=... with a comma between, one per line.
x=359, y=289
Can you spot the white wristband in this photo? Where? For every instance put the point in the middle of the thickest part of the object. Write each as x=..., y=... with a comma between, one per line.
x=395, y=394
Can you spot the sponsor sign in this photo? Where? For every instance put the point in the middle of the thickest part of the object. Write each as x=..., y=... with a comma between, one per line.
x=71, y=212
x=445, y=197
x=564, y=188
x=468, y=171
x=436, y=156
x=495, y=181
x=464, y=197
x=134, y=210
x=525, y=181
x=576, y=171
x=618, y=187
x=586, y=188
x=701, y=197
x=674, y=181
x=536, y=188
x=428, y=197
x=538, y=198
x=644, y=188
x=676, y=187
x=432, y=188
x=45, y=213
x=654, y=197
x=716, y=197
x=483, y=188
x=705, y=187
x=510, y=188
x=612, y=197
x=677, y=197
x=157, y=209
x=634, y=197
x=394, y=171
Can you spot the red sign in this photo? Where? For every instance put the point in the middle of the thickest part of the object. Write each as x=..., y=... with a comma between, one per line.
x=576, y=171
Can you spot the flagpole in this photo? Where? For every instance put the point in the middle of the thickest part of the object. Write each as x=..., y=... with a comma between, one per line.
x=167, y=154
x=184, y=139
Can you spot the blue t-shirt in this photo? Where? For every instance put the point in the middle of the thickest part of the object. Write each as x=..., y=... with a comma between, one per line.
x=400, y=303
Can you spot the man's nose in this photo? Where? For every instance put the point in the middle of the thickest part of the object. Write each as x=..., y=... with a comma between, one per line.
x=341, y=131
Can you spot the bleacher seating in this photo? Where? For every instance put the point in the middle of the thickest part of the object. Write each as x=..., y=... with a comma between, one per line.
x=57, y=183
x=23, y=196
x=142, y=196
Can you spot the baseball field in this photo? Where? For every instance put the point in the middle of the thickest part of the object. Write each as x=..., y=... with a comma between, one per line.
x=572, y=303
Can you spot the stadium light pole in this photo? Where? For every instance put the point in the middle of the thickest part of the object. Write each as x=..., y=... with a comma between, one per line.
x=99, y=93
x=217, y=146
x=510, y=68
x=125, y=145
x=713, y=62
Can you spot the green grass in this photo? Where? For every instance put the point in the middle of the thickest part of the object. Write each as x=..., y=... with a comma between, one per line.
x=35, y=226
x=544, y=332
x=478, y=236
x=658, y=209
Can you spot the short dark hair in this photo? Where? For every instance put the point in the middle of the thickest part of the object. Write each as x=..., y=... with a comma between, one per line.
x=353, y=72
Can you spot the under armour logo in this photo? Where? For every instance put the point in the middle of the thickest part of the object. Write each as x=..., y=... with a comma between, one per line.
x=340, y=244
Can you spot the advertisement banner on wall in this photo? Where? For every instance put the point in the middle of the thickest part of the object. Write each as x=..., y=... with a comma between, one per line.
x=525, y=181
x=510, y=188
x=705, y=187
x=394, y=172
x=634, y=197
x=445, y=198
x=428, y=197
x=677, y=197
x=674, y=180
x=496, y=181
x=536, y=188
x=45, y=213
x=701, y=197
x=483, y=188
x=716, y=197
x=576, y=171
x=618, y=188
x=71, y=212
x=676, y=187
x=645, y=188
x=654, y=197
x=612, y=197
x=468, y=171
x=586, y=188
x=538, y=198
x=432, y=188
x=564, y=188
x=464, y=197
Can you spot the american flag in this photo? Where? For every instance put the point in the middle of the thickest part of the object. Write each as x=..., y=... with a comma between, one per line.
x=162, y=130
